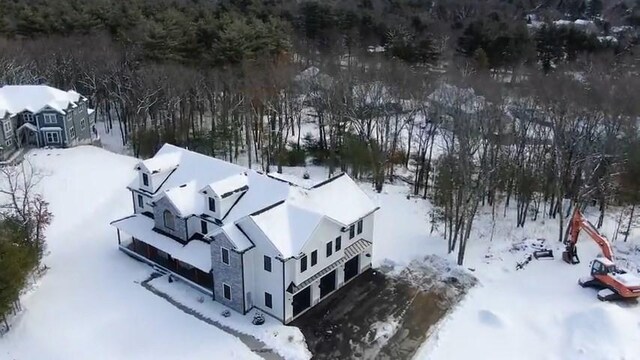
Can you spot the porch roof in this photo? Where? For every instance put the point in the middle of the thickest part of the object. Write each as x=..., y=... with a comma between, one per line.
x=195, y=253
x=29, y=126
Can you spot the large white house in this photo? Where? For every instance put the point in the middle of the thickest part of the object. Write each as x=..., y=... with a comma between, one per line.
x=248, y=239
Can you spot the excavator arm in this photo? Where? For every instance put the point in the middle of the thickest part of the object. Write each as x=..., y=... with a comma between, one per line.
x=577, y=223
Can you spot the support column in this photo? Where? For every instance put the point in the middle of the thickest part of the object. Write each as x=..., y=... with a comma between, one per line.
x=340, y=276
x=315, y=292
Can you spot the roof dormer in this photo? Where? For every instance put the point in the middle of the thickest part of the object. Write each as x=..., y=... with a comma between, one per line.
x=153, y=172
x=221, y=196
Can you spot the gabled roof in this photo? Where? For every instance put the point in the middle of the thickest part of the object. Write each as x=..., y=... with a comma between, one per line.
x=287, y=214
x=288, y=226
x=15, y=99
x=160, y=163
x=229, y=185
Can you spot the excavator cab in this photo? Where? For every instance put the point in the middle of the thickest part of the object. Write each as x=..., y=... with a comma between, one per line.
x=598, y=267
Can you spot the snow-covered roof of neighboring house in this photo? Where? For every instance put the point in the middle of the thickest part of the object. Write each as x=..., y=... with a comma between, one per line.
x=15, y=99
x=196, y=253
x=288, y=226
x=29, y=126
x=236, y=236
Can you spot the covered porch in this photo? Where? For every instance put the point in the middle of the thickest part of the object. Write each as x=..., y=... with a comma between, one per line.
x=190, y=262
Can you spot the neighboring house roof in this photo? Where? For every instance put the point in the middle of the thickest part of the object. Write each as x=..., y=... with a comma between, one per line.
x=287, y=214
x=15, y=99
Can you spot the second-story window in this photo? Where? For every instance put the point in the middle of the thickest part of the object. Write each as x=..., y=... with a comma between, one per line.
x=169, y=221
x=360, y=226
x=140, y=201
x=303, y=264
x=204, y=228
x=267, y=263
x=225, y=256
x=329, y=248
x=72, y=133
x=145, y=179
x=314, y=257
x=338, y=243
x=7, y=126
x=352, y=231
x=50, y=118
x=212, y=204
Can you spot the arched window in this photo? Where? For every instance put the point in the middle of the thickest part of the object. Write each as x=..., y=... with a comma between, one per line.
x=168, y=219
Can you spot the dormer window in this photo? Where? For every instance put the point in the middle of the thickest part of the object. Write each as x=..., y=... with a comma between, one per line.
x=145, y=179
x=212, y=204
x=169, y=221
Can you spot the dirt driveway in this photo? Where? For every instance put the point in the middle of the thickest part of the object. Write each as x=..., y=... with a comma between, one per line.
x=382, y=316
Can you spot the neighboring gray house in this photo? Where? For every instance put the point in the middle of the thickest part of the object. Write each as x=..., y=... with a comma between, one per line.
x=39, y=116
x=247, y=239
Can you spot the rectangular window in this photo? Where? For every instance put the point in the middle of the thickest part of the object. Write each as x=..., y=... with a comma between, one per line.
x=145, y=179
x=352, y=231
x=329, y=248
x=303, y=264
x=50, y=118
x=225, y=256
x=9, y=142
x=338, y=243
x=82, y=124
x=204, y=227
x=226, y=289
x=53, y=137
x=314, y=257
x=268, y=300
x=212, y=204
x=7, y=126
x=267, y=263
x=72, y=133
x=27, y=117
x=360, y=227
x=140, y=201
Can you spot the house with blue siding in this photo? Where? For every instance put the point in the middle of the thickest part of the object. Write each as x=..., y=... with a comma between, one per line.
x=245, y=238
x=40, y=116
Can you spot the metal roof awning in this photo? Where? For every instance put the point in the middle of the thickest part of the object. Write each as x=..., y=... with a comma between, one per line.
x=351, y=251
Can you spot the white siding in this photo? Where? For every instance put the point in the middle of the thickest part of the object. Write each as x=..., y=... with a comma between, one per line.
x=326, y=231
x=263, y=281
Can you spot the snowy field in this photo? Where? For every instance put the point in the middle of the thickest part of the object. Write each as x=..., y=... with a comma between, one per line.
x=90, y=304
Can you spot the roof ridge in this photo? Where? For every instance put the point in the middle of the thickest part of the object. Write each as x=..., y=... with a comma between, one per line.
x=328, y=180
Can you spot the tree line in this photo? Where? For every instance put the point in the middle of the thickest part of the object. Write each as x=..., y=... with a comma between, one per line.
x=479, y=108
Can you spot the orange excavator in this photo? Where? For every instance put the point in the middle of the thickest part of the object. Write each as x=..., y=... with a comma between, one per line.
x=614, y=282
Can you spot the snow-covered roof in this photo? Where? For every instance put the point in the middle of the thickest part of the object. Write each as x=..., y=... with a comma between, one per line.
x=339, y=198
x=29, y=126
x=236, y=236
x=196, y=253
x=161, y=162
x=15, y=99
x=288, y=226
x=229, y=185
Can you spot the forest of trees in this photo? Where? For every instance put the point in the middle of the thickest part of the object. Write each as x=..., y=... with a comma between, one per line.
x=481, y=108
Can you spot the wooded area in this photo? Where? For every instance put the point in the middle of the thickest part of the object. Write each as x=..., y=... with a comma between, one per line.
x=479, y=104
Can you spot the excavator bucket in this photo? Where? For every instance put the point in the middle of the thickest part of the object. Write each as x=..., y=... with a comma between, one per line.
x=570, y=255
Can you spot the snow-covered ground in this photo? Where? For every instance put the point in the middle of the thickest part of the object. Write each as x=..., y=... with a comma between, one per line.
x=90, y=304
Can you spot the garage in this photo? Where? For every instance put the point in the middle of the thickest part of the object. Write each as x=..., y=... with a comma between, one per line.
x=351, y=268
x=301, y=301
x=327, y=284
